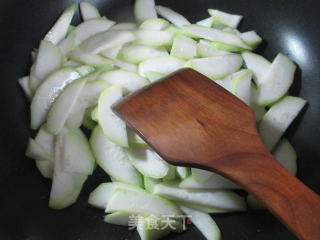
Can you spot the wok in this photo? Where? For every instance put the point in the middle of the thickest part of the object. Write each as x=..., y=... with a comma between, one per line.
x=290, y=27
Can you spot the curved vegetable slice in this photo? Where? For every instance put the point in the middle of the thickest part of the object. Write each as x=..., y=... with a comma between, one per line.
x=147, y=233
x=215, y=35
x=128, y=81
x=36, y=151
x=113, y=127
x=105, y=40
x=138, y=53
x=125, y=65
x=148, y=162
x=278, y=118
x=164, y=65
x=46, y=139
x=201, y=176
x=68, y=44
x=276, y=81
x=111, y=53
x=174, y=17
x=286, y=155
x=135, y=140
x=101, y=196
x=150, y=183
x=241, y=86
x=60, y=28
x=90, y=28
x=144, y=9
x=76, y=155
x=61, y=108
x=215, y=181
x=257, y=64
x=212, y=198
x=251, y=38
x=47, y=93
x=154, y=38
x=184, y=47
x=207, y=22
x=183, y=172
x=49, y=59
x=66, y=187
x=154, y=76
x=88, y=97
x=205, y=49
x=216, y=67
x=203, y=222
x=94, y=60
x=24, y=83
x=45, y=168
x=113, y=159
x=88, y=11
x=227, y=19
x=128, y=200
x=154, y=24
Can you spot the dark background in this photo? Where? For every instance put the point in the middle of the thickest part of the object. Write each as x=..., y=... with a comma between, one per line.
x=290, y=27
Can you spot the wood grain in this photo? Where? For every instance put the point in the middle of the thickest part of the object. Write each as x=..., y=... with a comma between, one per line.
x=191, y=121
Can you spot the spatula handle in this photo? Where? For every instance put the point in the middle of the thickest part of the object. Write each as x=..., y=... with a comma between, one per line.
x=297, y=206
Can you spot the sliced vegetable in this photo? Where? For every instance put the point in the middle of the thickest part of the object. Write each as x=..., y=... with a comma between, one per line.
x=36, y=151
x=106, y=40
x=207, y=22
x=88, y=11
x=113, y=159
x=174, y=17
x=138, y=53
x=113, y=127
x=286, y=155
x=213, y=198
x=47, y=93
x=184, y=47
x=278, y=118
x=183, y=172
x=128, y=81
x=101, y=196
x=150, y=183
x=276, y=81
x=49, y=59
x=144, y=9
x=215, y=181
x=128, y=200
x=61, y=108
x=216, y=67
x=224, y=18
x=215, y=35
x=60, y=28
x=146, y=233
x=148, y=162
x=205, y=49
x=257, y=64
x=154, y=24
x=24, y=83
x=154, y=38
x=76, y=155
x=164, y=65
x=203, y=221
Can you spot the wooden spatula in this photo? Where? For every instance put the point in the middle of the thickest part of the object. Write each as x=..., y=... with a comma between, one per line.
x=191, y=121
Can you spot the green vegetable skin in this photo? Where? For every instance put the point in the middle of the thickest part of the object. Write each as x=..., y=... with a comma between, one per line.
x=78, y=72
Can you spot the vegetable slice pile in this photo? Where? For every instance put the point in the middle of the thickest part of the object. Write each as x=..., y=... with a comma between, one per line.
x=80, y=71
